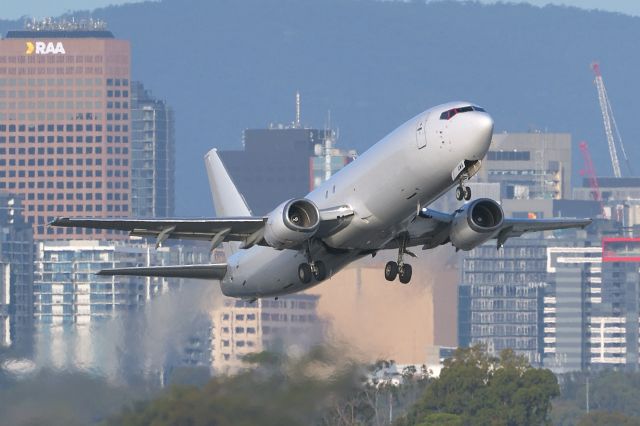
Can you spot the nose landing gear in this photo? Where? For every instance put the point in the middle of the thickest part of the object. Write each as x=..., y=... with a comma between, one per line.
x=463, y=191
x=399, y=269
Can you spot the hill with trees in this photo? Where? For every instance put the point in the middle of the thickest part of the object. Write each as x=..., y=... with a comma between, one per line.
x=227, y=65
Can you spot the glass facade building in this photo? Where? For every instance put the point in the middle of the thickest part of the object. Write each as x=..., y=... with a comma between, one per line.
x=152, y=155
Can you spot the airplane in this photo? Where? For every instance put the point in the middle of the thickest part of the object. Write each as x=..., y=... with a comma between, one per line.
x=377, y=202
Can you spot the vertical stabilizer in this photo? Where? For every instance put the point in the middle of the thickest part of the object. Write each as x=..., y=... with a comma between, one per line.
x=226, y=198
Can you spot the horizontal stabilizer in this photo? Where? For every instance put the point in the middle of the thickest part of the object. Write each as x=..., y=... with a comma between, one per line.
x=213, y=271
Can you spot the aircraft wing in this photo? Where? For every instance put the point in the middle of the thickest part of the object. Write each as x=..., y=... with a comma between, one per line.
x=213, y=271
x=247, y=229
x=431, y=228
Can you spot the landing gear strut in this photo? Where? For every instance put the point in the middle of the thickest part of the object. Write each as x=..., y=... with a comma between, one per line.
x=399, y=269
x=312, y=269
x=463, y=191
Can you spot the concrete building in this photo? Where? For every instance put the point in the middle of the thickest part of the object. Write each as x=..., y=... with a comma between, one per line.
x=241, y=328
x=612, y=189
x=529, y=165
x=65, y=125
x=500, y=297
x=377, y=319
x=152, y=155
x=16, y=276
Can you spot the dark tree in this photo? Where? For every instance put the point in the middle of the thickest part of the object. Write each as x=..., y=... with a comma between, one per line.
x=475, y=388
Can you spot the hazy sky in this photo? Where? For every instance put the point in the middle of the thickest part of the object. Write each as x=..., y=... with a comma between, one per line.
x=12, y=9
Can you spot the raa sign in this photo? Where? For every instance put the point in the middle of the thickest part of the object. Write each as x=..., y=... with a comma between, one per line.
x=45, y=48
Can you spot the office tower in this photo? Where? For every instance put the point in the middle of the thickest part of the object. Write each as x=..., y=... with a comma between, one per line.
x=16, y=275
x=500, y=297
x=274, y=165
x=241, y=328
x=64, y=124
x=152, y=155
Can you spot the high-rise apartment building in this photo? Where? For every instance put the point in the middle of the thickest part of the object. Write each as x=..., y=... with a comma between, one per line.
x=64, y=124
x=500, y=297
x=152, y=155
x=67, y=291
x=16, y=275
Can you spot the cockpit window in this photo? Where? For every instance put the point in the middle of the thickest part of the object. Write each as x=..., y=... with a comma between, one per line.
x=447, y=115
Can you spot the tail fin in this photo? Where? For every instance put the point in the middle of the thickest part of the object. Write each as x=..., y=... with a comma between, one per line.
x=227, y=200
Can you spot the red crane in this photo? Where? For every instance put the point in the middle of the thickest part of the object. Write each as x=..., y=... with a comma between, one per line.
x=590, y=172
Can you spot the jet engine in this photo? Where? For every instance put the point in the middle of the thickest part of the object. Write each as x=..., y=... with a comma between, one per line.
x=475, y=223
x=291, y=223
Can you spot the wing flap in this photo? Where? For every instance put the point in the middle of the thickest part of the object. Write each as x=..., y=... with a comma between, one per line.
x=213, y=271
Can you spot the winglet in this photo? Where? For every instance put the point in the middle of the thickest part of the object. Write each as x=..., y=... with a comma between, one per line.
x=227, y=199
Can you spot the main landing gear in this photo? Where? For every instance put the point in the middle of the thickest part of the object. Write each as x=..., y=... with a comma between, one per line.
x=463, y=191
x=316, y=270
x=312, y=269
x=399, y=269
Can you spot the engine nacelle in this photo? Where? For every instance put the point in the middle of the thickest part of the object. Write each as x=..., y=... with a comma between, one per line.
x=475, y=223
x=291, y=223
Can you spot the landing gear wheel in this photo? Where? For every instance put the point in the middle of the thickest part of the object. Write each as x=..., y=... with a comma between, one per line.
x=467, y=193
x=304, y=273
x=460, y=193
x=405, y=273
x=320, y=271
x=391, y=271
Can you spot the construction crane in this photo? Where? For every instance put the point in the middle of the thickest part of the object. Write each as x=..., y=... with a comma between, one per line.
x=591, y=175
x=610, y=124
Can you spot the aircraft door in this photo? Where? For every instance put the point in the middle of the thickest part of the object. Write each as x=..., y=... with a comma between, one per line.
x=421, y=132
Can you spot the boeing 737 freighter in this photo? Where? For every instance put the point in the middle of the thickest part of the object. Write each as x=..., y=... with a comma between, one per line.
x=377, y=202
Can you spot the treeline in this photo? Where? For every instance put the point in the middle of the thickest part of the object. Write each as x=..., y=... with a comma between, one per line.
x=323, y=389
x=613, y=399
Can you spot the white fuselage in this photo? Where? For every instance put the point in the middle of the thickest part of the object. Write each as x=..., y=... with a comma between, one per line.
x=385, y=187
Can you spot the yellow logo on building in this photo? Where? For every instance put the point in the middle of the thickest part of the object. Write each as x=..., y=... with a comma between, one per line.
x=44, y=48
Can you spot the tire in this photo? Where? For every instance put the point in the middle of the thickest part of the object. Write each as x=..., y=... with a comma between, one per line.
x=304, y=273
x=467, y=193
x=321, y=271
x=391, y=271
x=459, y=193
x=405, y=274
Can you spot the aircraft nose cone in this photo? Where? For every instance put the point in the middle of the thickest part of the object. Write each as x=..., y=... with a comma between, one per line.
x=480, y=129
